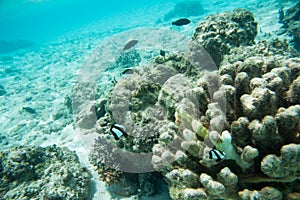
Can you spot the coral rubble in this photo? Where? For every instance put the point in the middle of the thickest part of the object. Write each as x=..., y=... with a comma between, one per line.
x=42, y=173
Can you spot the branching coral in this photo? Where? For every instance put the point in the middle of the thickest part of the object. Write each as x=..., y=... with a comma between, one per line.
x=264, y=193
x=284, y=167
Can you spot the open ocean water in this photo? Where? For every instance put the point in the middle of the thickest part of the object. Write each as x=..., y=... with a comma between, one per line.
x=63, y=71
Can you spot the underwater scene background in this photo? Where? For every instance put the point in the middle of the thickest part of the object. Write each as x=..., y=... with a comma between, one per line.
x=150, y=100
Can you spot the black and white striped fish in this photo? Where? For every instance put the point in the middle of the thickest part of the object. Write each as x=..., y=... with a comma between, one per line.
x=216, y=155
x=118, y=131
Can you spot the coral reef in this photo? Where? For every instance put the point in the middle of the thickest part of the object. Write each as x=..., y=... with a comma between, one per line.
x=291, y=24
x=219, y=33
x=284, y=167
x=42, y=173
x=247, y=110
x=180, y=179
x=264, y=193
x=185, y=8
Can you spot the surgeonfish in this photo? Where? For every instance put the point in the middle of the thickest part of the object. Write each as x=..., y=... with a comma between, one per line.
x=181, y=22
x=130, y=44
x=216, y=155
x=118, y=131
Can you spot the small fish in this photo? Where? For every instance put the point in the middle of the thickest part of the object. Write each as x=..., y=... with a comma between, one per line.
x=128, y=71
x=280, y=14
x=181, y=22
x=118, y=131
x=216, y=155
x=29, y=110
x=130, y=44
x=162, y=53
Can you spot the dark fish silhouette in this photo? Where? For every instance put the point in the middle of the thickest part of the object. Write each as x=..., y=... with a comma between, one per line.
x=162, y=53
x=181, y=22
x=130, y=44
x=29, y=110
x=128, y=71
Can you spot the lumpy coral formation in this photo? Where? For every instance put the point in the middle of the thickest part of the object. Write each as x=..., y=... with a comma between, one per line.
x=176, y=112
x=219, y=33
x=42, y=173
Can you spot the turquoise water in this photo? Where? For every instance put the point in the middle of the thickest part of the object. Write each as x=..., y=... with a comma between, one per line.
x=48, y=48
x=45, y=20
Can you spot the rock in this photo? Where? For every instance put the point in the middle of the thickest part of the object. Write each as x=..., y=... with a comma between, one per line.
x=43, y=173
